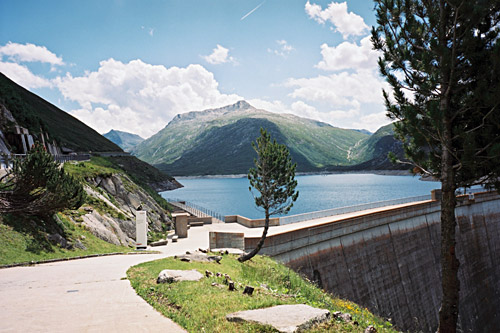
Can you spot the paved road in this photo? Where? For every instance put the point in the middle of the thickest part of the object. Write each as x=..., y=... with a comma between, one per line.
x=87, y=295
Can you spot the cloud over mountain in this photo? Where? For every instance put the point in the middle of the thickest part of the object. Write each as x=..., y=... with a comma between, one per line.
x=143, y=97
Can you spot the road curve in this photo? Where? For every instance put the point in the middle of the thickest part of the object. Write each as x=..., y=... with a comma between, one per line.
x=86, y=295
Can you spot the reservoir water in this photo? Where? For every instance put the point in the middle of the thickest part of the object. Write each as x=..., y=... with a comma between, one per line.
x=230, y=196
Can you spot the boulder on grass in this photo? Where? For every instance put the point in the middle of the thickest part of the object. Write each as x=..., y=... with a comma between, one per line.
x=284, y=318
x=173, y=275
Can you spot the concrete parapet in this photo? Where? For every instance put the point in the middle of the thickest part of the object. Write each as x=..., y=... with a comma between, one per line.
x=249, y=223
x=221, y=240
x=205, y=220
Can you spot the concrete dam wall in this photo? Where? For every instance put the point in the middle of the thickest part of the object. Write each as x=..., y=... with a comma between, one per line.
x=389, y=261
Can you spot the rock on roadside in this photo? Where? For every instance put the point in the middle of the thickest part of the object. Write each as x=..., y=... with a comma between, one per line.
x=172, y=275
x=198, y=257
x=284, y=318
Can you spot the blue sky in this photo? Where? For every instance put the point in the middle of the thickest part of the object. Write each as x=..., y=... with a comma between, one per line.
x=133, y=65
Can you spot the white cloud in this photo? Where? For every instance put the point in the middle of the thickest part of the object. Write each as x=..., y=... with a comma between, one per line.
x=349, y=56
x=301, y=109
x=372, y=121
x=150, y=31
x=304, y=110
x=342, y=89
x=272, y=106
x=283, y=49
x=30, y=53
x=23, y=76
x=355, y=117
x=371, y=118
x=348, y=24
x=138, y=97
x=349, y=98
x=220, y=55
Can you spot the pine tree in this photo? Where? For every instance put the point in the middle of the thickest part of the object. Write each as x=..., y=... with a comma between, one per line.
x=442, y=60
x=37, y=185
x=274, y=178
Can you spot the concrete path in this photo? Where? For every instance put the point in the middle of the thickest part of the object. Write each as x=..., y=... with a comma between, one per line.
x=87, y=295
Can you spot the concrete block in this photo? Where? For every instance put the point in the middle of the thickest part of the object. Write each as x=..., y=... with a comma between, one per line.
x=220, y=240
x=181, y=225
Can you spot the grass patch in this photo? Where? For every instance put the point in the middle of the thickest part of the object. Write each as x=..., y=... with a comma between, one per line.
x=201, y=307
x=23, y=239
x=96, y=167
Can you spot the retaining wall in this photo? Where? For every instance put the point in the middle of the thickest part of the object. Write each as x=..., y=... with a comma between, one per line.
x=389, y=261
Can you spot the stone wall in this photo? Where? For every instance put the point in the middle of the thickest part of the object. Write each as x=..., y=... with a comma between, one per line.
x=389, y=261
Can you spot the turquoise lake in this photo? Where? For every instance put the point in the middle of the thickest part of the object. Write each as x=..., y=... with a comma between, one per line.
x=230, y=196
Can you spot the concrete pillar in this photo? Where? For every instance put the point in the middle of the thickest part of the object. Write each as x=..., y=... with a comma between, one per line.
x=181, y=224
x=436, y=195
x=141, y=230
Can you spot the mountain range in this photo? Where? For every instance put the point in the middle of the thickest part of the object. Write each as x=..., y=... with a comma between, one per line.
x=209, y=142
x=218, y=141
x=125, y=140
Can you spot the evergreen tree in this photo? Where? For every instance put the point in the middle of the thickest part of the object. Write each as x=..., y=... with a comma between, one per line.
x=442, y=60
x=274, y=178
x=38, y=185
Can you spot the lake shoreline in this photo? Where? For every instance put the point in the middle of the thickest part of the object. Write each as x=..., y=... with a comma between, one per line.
x=319, y=173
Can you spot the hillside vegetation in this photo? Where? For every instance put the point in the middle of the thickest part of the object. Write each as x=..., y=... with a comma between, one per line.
x=24, y=239
x=105, y=223
x=35, y=114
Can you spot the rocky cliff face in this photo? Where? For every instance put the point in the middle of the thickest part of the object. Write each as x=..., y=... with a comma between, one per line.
x=114, y=201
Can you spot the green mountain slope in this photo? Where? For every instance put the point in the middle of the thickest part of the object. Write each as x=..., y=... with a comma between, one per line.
x=230, y=156
x=126, y=141
x=217, y=141
x=35, y=113
x=373, y=151
x=371, y=147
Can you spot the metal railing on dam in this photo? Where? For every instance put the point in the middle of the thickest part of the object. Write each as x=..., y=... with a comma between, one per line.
x=194, y=209
x=349, y=209
x=356, y=208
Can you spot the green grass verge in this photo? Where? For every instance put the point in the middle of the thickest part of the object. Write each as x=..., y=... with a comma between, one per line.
x=22, y=240
x=201, y=307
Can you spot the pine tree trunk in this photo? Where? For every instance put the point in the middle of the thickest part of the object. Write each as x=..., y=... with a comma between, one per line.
x=250, y=255
x=448, y=314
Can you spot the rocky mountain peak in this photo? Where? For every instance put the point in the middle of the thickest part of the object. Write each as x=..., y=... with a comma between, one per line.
x=240, y=105
x=213, y=113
